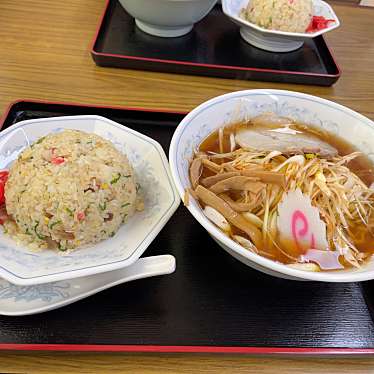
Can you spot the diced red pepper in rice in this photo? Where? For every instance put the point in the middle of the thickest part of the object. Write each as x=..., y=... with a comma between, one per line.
x=57, y=160
x=3, y=178
x=81, y=216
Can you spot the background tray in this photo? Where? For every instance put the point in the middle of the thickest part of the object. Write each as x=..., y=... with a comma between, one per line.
x=213, y=48
x=212, y=303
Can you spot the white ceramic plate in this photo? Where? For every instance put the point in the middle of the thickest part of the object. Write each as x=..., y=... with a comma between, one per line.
x=241, y=105
x=25, y=300
x=273, y=40
x=20, y=266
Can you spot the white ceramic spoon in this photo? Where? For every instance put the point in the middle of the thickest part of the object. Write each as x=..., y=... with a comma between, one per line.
x=22, y=300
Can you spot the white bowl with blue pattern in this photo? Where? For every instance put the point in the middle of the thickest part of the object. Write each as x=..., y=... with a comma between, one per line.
x=21, y=266
x=241, y=105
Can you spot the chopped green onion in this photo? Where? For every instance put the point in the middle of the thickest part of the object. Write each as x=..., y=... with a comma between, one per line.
x=102, y=206
x=40, y=140
x=116, y=178
x=126, y=204
x=41, y=237
x=54, y=224
x=71, y=213
x=27, y=231
x=127, y=176
x=310, y=156
x=138, y=187
x=61, y=248
x=112, y=234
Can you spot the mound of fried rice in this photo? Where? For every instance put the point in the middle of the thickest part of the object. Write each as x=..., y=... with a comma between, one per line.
x=67, y=190
x=282, y=15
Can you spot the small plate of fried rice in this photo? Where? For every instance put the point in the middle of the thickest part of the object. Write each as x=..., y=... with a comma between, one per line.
x=79, y=195
x=280, y=25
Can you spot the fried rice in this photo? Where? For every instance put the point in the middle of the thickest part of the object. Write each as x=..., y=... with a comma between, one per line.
x=69, y=189
x=282, y=15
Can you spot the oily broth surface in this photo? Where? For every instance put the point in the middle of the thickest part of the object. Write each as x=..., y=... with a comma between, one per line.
x=361, y=166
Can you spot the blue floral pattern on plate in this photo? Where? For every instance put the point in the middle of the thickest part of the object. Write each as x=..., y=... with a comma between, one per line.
x=46, y=292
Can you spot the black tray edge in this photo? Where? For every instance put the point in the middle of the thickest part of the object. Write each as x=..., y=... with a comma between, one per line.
x=166, y=66
x=12, y=104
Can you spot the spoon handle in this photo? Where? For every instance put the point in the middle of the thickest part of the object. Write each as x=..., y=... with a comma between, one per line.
x=66, y=292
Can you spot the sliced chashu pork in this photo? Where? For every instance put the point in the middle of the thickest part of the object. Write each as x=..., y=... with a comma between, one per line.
x=263, y=136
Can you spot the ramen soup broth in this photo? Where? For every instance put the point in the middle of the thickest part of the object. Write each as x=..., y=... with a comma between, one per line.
x=356, y=232
x=361, y=165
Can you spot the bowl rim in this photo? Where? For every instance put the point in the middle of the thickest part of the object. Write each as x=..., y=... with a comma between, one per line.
x=324, y=276
x=246, y=24
x=17, y=279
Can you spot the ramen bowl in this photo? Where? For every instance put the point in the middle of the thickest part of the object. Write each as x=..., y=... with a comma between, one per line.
x=167, y=18
x=233, y=107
